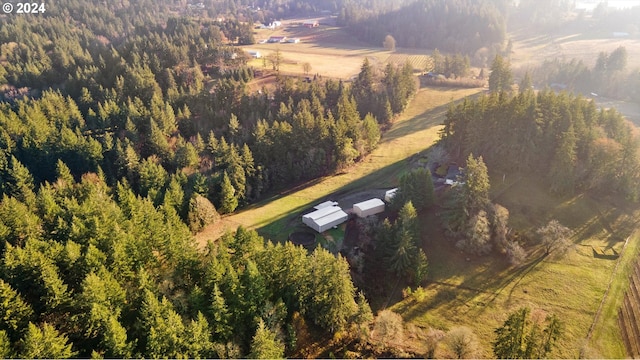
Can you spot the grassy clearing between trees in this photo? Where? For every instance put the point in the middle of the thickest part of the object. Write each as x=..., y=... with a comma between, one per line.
x=479, y=292
x=414, y=131
x=331, y=51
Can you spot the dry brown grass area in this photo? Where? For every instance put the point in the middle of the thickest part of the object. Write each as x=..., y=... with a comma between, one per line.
x=330, y=50
x=530, y=49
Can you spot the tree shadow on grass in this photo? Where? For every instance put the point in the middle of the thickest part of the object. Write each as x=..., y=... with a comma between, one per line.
x=450, y=296
x=434, y=116
x=275, y=227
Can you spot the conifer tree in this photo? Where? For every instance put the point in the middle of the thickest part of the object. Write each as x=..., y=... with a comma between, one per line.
x=561, y=173
x=220, y=315
x=520, y=337
x=6, y=352
x=15, y=313
x=500, y=78
x=44, y=343
x=21, y=182
x=476, y=190
x=228, y=199
x=265, y=345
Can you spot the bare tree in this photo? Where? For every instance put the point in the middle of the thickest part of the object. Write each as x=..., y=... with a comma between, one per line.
x=306, y=67
x=275, y=58
x=515, y=253
x=554, y=237
x=432, y=339
x=388, y=327
x=462, y=341
x=389, y=43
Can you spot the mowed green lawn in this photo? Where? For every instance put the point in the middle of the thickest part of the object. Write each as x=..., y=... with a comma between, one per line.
x=480, y=292
x=414, y=131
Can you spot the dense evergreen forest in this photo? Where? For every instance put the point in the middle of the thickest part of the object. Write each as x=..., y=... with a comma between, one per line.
x=577, y=146
x=124, y=128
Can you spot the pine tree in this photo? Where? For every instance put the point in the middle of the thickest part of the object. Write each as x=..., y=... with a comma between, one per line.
x=163, y=329
x=500, y=78
x=63, y=173
x=561, y=173
x=228, y=199
x=220, y=314
x=15, y=313
x=265, y=345
x=198, y=339
x=114, y=340
x=363, y=88
x=44, y=343
x=152, y=178
x=371, y=133
x=526, y=83
x=415, y=186
x=331, y=304
x=522, y=338
x=21, y=182
x=6, y=352
x=476, y=189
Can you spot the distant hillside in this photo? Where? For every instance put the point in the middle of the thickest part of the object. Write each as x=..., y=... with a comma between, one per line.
x=455, y=26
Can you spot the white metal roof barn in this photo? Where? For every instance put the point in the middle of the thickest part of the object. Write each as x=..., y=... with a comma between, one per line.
x=369, y=207
x=325, y=218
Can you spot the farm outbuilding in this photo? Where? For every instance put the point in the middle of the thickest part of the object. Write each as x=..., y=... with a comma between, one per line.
x=325, y=218
x=390, y=194
x=277, y=39
x=369, y=207
x=311, y=23
x=325, y=204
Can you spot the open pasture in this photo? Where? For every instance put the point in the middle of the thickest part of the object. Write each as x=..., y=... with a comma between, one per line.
x=330, y=51
x=530, y=49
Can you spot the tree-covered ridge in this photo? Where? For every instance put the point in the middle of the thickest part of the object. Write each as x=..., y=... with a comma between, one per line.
x=131, y=102
x=93, y=270
x=454, y=26
x=145, y=144
x=578, y=146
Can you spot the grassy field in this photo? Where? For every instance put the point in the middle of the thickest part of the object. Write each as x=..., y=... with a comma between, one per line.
x=330, y=51
x=531, y=48
x=412, y=133
x=480, y=292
